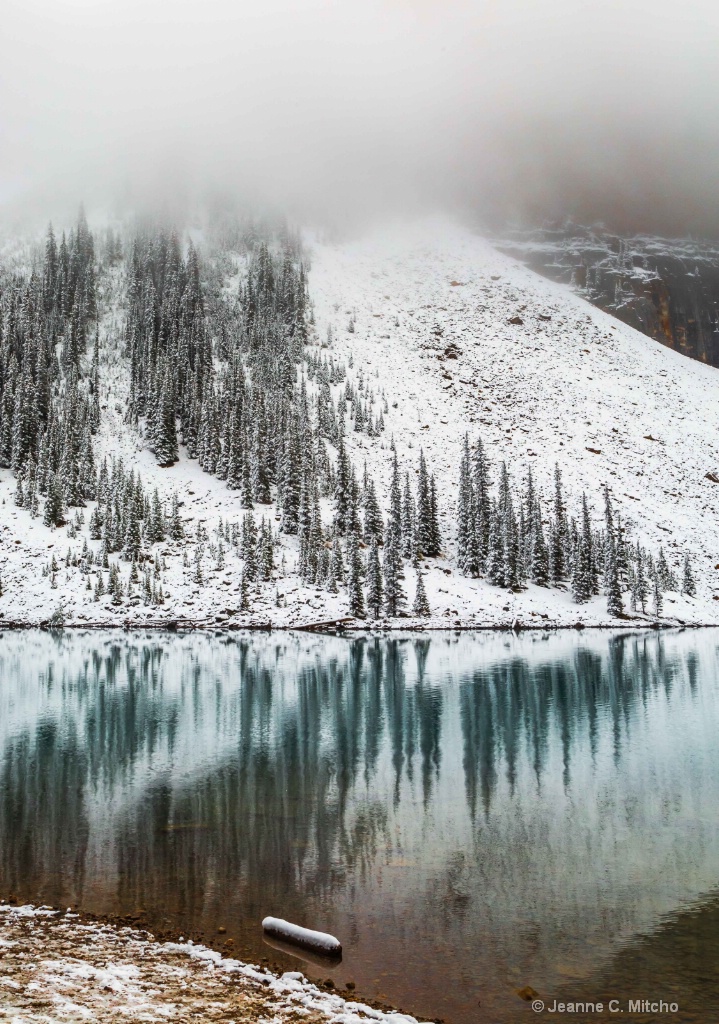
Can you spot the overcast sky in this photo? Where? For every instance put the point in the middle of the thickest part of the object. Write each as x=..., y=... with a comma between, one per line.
x=609, y=108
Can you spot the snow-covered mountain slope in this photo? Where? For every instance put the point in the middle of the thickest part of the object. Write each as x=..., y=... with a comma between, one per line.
x=462, y=339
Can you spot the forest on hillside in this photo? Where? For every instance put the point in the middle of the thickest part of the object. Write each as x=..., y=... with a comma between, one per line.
x=226, y=368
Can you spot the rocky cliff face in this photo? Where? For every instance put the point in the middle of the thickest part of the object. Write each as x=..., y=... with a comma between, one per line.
x=667, y=288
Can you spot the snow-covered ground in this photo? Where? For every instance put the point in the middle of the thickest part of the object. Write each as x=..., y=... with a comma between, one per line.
x=56, y=967
x=432, y=305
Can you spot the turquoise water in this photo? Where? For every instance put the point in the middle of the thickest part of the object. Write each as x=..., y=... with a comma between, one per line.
x=469, y=814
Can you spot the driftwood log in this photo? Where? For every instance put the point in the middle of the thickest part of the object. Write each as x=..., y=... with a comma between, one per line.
x=310, y=627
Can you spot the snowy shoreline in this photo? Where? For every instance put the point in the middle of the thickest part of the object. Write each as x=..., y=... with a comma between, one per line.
x=99, y=971
x=360, y=628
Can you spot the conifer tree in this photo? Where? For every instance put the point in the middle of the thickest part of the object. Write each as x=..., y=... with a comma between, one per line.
x=688, y=584
x=164, y=429
x=587, y=541
x=115, y=586
x=612, y=584
x=657, y=594
x=54, y=506
x=133, y=537
x=424, y=508
x=354, y=578
x=435, y=536
x=496, y=554
x=421, y=604
x=246, y=485
x=622, y=553
x=244, y=593
x=468, y=554
x=409, y=521
x=337, y=568
x=248, y=547
x=291, y=482
x=33, y=505
x=353, y=513
x=343, y=491
x=375, y=587
x=394, y=519
x=96, y=524
x=177, y=532
x=267, y=551
x=197, y=576
x=608, y=517
x=482, y=503
x=540, y=552
x=664, y=573
x=582, y=587
x=156, y=525
x=640, y=590
x=373, y=527
x=394, y=596
x=557, y=557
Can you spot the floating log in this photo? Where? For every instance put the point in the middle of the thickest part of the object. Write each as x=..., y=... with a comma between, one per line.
x=317, y=942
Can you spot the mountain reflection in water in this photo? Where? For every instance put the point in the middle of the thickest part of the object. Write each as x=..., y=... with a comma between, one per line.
x=468, y=814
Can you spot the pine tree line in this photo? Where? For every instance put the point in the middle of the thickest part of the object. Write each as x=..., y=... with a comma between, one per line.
x=237, y=371
x=49, y=389
x=331, y=414
x=514, y=535
x=129, y=521
x=230, y=371
x=68, y=286
x=144, y=582
x=346, y=551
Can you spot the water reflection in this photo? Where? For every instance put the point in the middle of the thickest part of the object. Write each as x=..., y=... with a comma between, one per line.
x=674, y=963
x=468, y=814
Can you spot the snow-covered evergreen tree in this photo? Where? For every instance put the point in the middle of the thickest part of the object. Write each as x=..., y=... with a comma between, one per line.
x=688, y=582
x=421, y=604
x=394, y=596
x=375, y=585
x=355, y=573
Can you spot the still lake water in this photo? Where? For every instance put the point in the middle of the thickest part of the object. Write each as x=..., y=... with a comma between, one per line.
x=469, y=814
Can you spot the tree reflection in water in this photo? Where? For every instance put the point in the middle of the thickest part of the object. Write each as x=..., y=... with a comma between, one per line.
x=465, y=808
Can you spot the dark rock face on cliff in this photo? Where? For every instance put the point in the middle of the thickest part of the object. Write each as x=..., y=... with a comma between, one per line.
x=667, y=288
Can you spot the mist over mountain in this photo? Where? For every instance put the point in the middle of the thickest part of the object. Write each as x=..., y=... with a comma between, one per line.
x=347, y=112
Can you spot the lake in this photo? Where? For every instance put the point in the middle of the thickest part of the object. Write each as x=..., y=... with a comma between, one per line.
x=469, y=814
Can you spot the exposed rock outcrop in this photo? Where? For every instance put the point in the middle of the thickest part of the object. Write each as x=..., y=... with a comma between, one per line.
x=666, y=288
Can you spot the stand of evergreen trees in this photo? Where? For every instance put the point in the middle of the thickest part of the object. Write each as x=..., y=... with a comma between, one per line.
x=513, y=535
x=229, y=375
x=226, y=374
x=49, y=382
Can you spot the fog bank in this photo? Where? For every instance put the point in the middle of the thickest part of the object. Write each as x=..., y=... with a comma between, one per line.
x=338, y=109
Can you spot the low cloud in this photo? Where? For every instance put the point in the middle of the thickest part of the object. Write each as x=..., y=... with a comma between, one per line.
x=349, y=110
